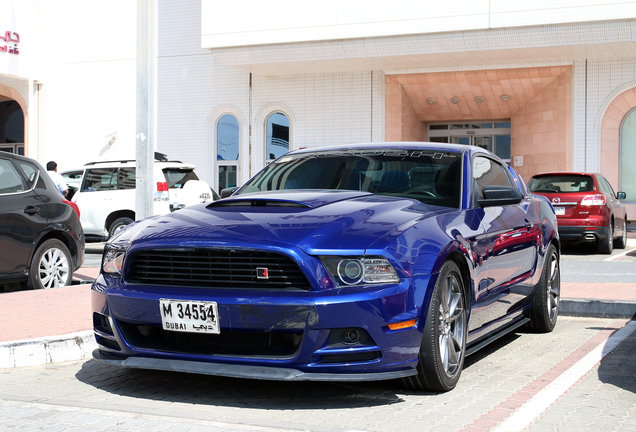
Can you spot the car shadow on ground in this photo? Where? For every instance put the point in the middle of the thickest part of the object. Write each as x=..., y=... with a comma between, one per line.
x=236, y=392
x=617, y=368
x=491, y=348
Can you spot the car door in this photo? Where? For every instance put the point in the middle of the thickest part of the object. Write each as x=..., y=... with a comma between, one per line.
x=97, y=199
x=511, y=232
x=22, y=217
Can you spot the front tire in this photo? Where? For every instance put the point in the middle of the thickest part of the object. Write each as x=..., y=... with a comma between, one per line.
x=50, y=266
x=547, y=294
x=443, y=348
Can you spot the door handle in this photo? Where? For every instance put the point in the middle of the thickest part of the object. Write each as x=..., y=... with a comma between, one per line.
x=529, y=225
x=31, y=210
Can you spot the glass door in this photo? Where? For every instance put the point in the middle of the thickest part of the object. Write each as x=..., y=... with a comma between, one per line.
x=484, y=142
x=493, y=136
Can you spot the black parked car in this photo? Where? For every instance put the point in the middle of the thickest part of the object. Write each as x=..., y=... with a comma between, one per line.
x=41, y=239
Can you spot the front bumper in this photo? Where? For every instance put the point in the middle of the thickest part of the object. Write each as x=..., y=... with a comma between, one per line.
x=242, y=371
x=305, y=325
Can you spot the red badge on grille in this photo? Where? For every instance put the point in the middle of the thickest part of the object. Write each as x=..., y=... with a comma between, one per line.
x=261, y=273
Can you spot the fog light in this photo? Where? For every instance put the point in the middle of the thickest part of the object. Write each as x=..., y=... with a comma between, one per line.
x=350, y=336
x=105, y=324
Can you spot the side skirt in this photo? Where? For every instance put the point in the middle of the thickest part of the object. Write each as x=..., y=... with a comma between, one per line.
x=480, y=343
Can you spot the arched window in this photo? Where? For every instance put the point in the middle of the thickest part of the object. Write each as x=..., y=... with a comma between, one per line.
x=628, y=155
x=11, y=127
x=277, y=136
x=227, y=151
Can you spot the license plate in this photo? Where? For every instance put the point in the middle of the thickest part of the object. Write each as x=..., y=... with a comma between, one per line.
x=559, y=211
x=189, y=316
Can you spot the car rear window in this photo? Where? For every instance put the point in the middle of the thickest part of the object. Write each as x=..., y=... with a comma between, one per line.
x=561, y=183
x=178, y=177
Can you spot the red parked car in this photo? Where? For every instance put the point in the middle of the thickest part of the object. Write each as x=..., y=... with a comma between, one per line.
x=586, y=207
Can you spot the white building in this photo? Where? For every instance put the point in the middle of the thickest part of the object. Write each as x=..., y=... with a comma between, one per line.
x=547, y=85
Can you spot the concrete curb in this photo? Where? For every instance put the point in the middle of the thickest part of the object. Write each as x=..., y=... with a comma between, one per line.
x=47, y=350
x=631, y=243
x=598, y=308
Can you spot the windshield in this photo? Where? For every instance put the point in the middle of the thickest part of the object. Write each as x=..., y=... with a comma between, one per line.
x=431, y=177
x=178, y=177
x=561, y=183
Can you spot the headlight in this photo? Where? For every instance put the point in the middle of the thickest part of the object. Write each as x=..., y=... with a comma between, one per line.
x=360, y=270
x=112, y=261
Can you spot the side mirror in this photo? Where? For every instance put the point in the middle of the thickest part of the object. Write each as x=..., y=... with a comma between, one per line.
x=621, y=195
x=500, y=196
x=228, y=191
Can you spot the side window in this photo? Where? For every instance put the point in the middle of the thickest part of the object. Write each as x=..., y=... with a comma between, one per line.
x=606, y=187
x=127, y=178
x=100, y=179
x=30, y=171
x=73, y=179
x=487, y=172
x=10, y=179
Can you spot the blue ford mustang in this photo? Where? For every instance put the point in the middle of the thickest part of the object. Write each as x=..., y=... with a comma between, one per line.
x=350, y=263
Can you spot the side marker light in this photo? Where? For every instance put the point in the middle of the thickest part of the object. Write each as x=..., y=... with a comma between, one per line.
x=403, y=325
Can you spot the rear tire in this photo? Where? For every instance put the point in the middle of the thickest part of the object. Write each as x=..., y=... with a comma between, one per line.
x=607, y=246
x=118, y=225
x=50, y=266
x=547, y=293
x=443, y=348
x=621, y=242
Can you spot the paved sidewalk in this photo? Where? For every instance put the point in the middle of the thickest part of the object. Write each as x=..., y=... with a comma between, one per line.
x=49, y=326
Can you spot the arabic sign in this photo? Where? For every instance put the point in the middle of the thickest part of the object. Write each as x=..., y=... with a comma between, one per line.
x=8, y=38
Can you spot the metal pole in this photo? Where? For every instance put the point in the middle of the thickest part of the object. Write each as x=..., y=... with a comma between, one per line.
x=146, y=101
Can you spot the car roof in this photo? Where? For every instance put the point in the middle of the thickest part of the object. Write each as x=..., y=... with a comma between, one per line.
x=17, y=156
x=561, y=173
x=415, y=145
x=130, y=163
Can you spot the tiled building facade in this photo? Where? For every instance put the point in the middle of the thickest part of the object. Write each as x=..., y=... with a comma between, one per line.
x=548, y=87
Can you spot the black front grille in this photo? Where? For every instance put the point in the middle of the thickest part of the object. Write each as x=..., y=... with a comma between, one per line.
x=215, y=268
x=241, y=343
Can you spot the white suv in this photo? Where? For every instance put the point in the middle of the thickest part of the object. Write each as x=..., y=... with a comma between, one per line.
x=105, y=192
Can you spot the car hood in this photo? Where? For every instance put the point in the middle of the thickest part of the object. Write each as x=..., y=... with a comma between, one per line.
x=318, y=222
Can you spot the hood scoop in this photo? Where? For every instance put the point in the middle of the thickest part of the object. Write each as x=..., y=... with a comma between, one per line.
x=289, y=199
x=257, y=203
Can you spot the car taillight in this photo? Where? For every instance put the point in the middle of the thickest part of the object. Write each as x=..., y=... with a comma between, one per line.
x=593, y=200
x=162, y=192
x=73, y=206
